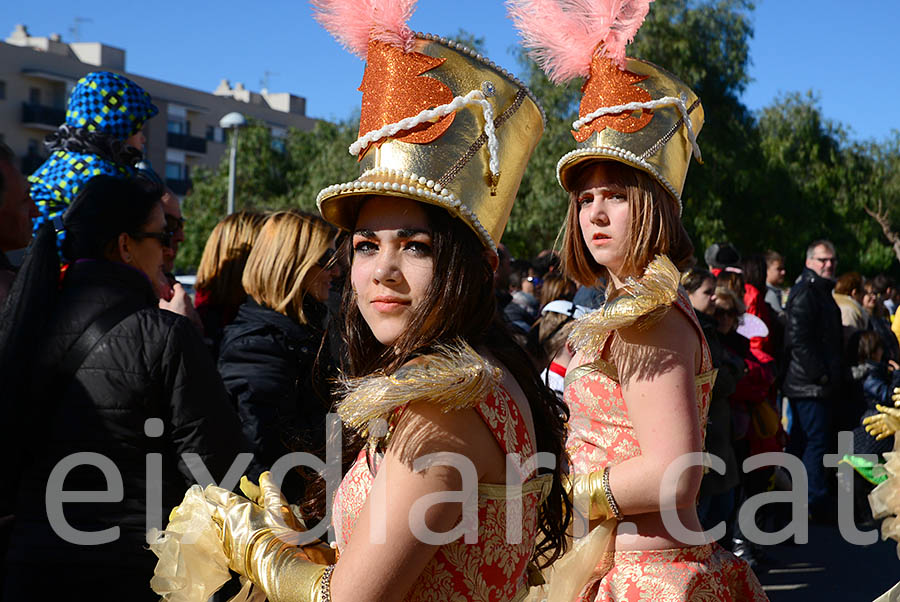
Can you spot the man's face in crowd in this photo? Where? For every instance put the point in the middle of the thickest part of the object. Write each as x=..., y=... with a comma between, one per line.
x=823, y=262
x=16, y=209
x=174, y=224
x=775, y=273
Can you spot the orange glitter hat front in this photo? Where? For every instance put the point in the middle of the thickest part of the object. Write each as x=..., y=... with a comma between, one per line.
x=631, y=111
x=439, y=123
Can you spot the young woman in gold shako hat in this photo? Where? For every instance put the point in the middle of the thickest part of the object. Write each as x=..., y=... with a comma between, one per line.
x=445, y=500
x=639, y=387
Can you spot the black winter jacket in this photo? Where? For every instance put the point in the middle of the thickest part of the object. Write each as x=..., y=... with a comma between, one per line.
x=152, y=365
x=813, y=339
x=719, y=432
x=268, y=364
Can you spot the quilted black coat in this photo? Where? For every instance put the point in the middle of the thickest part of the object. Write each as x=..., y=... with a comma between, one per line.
x=277, y=378
x=147, y=402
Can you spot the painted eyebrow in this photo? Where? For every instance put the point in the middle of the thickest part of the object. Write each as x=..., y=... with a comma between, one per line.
x=401, y=233
x=410, y=232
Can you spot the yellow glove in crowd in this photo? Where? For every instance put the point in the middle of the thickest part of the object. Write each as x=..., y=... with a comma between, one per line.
x=260, y=540
x=886, y=423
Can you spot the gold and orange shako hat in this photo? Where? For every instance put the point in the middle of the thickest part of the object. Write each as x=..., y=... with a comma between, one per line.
x=439, y=124
x=631, y=111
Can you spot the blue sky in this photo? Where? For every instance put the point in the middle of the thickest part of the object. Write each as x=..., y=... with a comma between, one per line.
x=195, y=43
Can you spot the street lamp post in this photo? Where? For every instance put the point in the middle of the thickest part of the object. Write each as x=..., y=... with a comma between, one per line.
x=232, y=121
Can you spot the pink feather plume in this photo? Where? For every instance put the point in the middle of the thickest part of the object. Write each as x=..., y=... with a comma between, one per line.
x=354, y=23
x=562, y=35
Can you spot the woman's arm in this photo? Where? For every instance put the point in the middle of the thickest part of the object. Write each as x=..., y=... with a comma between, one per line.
x=384, y=569
x=656, y=369
x=388, y=550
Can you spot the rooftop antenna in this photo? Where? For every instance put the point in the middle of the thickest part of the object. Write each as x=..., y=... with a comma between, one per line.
x=264, y=82
x=75, y=29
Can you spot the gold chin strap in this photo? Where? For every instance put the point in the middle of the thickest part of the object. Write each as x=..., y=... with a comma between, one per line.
x=284, y=573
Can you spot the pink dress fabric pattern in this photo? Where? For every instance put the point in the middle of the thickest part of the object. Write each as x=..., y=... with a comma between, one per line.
x=491, y=570
x=601, y=434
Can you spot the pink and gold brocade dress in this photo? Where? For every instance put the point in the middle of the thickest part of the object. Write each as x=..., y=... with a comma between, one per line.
x=493, y=569
x=601, y=434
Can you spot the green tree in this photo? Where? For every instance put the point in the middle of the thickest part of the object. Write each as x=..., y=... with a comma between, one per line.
x=826, y=186
x=272, y=174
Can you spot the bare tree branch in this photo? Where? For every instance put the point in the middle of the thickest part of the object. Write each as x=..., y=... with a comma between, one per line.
x=881, y=216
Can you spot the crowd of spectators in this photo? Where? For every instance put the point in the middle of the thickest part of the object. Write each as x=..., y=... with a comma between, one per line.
x=796, y=365
x=247, y=364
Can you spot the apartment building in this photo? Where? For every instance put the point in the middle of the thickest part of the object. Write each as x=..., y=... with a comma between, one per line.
x=37, y=74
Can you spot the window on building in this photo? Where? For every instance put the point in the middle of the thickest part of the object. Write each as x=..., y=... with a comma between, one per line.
x=2, y=90
x=176, y=126
x=175, y=171
x=211, y=133
x=34, y=96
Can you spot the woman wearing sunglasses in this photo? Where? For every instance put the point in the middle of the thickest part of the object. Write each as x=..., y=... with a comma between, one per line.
x=272, y=359
x=93, y=366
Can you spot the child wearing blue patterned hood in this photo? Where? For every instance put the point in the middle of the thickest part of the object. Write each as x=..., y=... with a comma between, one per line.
x=102, y=135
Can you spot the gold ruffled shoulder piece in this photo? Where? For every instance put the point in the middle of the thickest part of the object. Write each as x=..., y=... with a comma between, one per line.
x=644, y=301
x=454, y=377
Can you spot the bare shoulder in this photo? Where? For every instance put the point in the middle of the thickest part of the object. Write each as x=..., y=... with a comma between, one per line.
x=673, y=331
x=643, y=352
x=427, y=428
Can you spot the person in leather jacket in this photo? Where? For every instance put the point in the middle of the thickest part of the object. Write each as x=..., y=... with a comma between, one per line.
x=812, y=381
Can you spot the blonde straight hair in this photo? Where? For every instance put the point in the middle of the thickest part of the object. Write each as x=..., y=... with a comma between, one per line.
x=224, y=256
x=288, y=246
x=656, y=229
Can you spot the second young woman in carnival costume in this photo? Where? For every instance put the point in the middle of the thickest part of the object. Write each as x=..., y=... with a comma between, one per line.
x=639, y=386
x=444, y=139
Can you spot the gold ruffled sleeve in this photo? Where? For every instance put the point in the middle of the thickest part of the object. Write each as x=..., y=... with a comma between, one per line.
x=454, y=377
x=644, y=301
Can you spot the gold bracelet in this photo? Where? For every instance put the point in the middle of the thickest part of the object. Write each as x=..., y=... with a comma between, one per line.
x=609, y=496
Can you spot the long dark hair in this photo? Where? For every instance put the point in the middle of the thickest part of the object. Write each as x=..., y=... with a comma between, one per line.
x=106, y=207
x=460, y=304
x=754, y=267
x=82, y=140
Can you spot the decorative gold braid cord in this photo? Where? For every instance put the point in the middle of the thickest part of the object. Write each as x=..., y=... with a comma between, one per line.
x=646, y=299
x=454, y=377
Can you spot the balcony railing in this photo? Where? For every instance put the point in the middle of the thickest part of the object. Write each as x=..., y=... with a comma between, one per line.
x=35, y=114
x=179, y=187
x=186, y=142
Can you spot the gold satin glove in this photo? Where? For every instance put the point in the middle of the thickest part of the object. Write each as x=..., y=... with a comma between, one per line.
x=896, y=397
x=885, y=424
x=586, y=491
x=268, y=495
x=261, y=546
